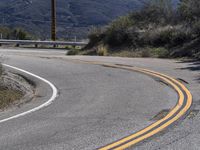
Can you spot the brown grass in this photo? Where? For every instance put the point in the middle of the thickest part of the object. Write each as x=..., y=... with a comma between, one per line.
x=8, y=97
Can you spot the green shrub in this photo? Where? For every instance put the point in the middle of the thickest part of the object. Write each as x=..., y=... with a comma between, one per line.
x=117, y=32
x=179, y=37
x=196, y=28
x=154, y=12
x=189, y=10
x=133, y=38
x=145, y=52
x=154, y=31
x=73, y=52
x=20, y=34
x=6, y=32
x=161, y=38
x=15, y=33
x=95, y=36
x=69, y=47
x=197, y=55
x=160, y=52
x=168, y=36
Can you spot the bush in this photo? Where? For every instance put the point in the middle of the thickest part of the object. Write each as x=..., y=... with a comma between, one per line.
x=73, y=52
x=69, y=47
x=163, y=37
x=95, y=36
x=20, y=34
x=197, y=55
x=145, y=52
x=189, y=10
x=158, y=26
x=154, y=12
x=179, y=37
x=133, y=38
x=196, y=28
x=15, y=33
x=116, y=34
x=160, y=52
x=6, y=32
x=158, y=37
x=168, y=36
x=102, y=51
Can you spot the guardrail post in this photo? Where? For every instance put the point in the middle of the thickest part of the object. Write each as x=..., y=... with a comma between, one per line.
x=17, y=45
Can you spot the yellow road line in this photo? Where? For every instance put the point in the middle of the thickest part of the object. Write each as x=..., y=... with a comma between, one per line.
x=119, y=144
x=172, y=112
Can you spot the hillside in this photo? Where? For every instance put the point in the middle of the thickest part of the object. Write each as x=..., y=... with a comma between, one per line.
x=156, y=30
x=73, y=16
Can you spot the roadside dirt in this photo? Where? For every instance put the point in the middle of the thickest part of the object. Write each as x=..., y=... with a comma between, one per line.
x=15, y=90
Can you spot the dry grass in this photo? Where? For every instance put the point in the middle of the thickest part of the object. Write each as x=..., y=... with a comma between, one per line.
x=143, y=52
x=102, y=50
x=126, y=54
x=8, y=97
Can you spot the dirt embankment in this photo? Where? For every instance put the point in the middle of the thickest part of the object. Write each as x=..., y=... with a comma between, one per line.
x=15, y=90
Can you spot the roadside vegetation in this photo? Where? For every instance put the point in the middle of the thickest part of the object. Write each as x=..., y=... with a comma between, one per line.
x=14, y=33
x=73, y=50
x=157, y=30
x=8, y=96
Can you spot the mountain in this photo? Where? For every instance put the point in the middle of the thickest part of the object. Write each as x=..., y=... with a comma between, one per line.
x=74, y=17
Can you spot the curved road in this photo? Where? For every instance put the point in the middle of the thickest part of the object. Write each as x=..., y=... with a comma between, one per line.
x=96, y=105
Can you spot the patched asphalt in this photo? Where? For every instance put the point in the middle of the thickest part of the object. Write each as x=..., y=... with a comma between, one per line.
x=99, y=105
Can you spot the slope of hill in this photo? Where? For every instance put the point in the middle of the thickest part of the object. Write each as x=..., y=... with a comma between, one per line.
x=34, y=15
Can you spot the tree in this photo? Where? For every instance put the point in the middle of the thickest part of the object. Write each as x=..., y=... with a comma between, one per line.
x=165, y=7
x=155, y=12
x=117, y=31
x=190, y=10
x=5, y=31
x=20, y=34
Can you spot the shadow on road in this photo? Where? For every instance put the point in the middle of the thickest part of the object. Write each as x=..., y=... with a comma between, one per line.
x=193, y=65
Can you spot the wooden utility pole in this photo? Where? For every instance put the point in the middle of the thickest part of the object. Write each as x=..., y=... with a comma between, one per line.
x=53, y=21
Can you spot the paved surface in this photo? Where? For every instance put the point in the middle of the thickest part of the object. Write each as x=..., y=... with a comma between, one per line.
x=98, y=105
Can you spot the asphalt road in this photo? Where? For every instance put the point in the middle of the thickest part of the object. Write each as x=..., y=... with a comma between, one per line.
x=98, y=105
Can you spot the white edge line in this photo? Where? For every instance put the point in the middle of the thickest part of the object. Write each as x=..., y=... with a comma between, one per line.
x=53, y=97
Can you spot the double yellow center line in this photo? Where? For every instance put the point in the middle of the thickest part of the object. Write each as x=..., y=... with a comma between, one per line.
x=183, y=105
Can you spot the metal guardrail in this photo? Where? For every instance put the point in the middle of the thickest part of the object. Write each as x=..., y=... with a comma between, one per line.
x=32, y=42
